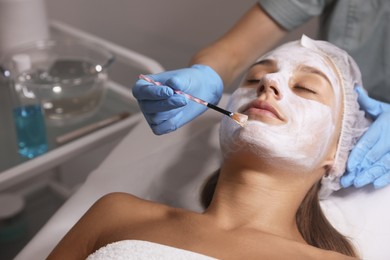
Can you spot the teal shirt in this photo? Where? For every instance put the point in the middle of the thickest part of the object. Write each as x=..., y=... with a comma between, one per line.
x=361, y=27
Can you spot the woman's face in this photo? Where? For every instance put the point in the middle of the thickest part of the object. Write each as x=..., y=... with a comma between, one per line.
x=292, y=97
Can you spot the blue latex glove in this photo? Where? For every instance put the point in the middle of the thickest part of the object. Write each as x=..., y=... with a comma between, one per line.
x=166, y=111
x=369, y=161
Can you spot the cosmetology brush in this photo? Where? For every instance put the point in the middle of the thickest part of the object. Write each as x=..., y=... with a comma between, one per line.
x=237, y=117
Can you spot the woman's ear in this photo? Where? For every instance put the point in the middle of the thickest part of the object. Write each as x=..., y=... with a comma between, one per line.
x=330, y=158
x=327, y=165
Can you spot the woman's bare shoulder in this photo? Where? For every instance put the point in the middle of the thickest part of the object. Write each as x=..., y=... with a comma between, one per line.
x=126, y=203
x=331, y=255
x=105, y=222
x=127, y=206
x=117, y=198
x=120, y=215
x=337, y=256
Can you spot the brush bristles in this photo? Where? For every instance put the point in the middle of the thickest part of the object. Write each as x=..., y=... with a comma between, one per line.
x=240, y=119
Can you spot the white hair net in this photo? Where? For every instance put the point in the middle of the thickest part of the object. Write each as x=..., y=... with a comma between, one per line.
x=354, y=123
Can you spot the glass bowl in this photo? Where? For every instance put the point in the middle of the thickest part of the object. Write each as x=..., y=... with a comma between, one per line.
x=67, y=76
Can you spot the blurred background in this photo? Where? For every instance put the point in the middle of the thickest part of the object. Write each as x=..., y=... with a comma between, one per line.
x=169, y=31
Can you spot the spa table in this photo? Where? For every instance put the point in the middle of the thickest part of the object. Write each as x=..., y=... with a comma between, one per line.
x=15, y=169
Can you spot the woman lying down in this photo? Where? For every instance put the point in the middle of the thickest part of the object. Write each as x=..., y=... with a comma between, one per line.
x=303, y=120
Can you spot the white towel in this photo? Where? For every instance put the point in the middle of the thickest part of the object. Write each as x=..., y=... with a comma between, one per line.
x=137, y=250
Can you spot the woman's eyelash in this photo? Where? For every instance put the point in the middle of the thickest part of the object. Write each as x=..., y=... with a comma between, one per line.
x=253, y=80
x=305, y=89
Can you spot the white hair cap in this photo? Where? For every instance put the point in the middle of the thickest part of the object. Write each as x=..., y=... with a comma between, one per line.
x=354, y=123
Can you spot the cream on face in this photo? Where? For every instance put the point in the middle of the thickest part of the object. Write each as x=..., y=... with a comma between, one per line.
x=302, y=133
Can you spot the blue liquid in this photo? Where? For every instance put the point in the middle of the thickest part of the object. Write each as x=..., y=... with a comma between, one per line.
x=30, y=130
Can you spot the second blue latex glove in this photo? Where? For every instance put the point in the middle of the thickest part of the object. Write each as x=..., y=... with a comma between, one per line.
x=164, y=110
x=369, y=161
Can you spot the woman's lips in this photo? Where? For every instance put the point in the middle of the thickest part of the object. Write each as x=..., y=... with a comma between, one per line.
x=261, y=107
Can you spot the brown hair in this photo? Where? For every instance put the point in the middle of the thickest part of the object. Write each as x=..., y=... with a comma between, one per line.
x=311, y=221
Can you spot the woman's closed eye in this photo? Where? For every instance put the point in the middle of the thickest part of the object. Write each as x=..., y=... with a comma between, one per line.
x=252, y=81
x=300, y=88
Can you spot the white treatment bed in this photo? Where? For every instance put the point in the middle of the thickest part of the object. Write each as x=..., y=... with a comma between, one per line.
x=172, y=168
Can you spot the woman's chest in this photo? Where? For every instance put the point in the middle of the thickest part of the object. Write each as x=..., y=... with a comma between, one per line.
x=213, y=242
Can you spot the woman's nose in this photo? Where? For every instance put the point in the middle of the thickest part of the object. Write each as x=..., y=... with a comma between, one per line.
x=270, y=87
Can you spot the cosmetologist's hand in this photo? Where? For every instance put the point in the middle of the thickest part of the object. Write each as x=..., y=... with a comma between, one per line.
x=369, y=161
x=164, y=110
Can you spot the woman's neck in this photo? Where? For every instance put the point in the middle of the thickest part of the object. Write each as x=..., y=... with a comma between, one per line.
x=263, y=201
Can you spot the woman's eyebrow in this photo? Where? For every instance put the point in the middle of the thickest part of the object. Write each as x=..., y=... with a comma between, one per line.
x=314, y=71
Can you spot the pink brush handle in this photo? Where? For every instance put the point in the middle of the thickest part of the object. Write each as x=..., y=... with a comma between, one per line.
x=197, y=100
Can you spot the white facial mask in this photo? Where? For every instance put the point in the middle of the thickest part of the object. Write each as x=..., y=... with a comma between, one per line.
x=305, y=138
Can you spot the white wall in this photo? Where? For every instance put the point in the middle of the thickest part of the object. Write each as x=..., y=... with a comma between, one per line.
x=169, y=31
